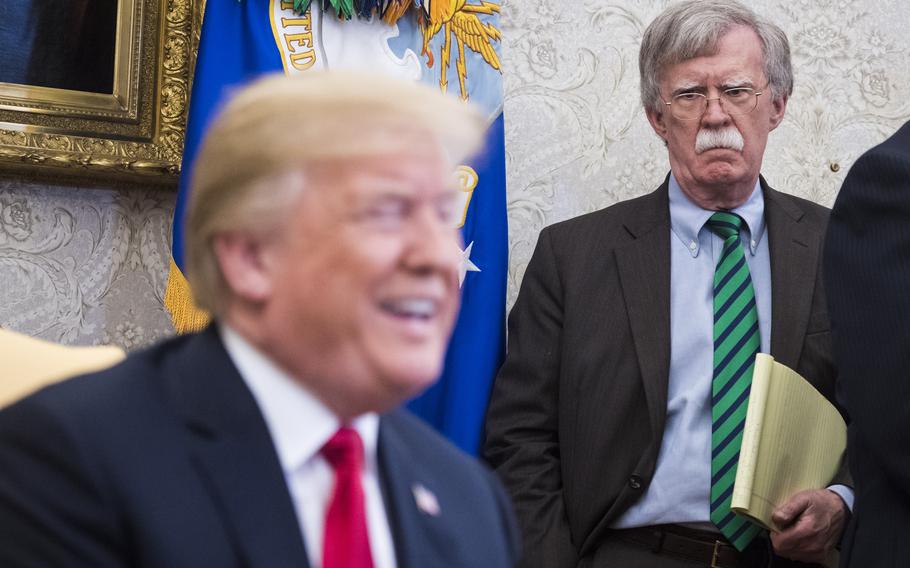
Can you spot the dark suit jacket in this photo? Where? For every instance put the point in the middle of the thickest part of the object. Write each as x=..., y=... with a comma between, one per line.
x=165, y=460
x=867, y=273
x=579, y=407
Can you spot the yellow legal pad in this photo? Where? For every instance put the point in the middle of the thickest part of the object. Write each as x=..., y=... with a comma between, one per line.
x=794, y=439
x=27, y=364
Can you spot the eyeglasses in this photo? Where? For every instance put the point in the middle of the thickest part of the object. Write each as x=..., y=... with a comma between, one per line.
x=734, y=101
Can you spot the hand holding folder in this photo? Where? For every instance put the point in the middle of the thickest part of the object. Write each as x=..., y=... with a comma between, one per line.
x=794, y=439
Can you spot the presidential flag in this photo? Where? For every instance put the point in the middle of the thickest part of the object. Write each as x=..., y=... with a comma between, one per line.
x=448, y=43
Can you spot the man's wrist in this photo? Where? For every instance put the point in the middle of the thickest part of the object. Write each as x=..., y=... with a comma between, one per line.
x=846, y=495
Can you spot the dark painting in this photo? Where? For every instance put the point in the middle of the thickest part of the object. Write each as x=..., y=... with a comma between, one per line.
x=64, y=44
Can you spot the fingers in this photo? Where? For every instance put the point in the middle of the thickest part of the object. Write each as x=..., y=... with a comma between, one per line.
x=800, y=542
x=811, y=523
x=793, y=508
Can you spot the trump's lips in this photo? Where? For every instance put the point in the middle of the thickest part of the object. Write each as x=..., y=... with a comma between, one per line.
x=418, y=315
x=412, y=307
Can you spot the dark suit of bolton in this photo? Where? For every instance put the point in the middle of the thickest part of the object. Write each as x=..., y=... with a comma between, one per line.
x=579, y=407
x=867, y=271
x=165, y=460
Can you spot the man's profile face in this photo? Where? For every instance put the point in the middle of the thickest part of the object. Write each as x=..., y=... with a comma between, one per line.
x=365, y=276
x=738, y=62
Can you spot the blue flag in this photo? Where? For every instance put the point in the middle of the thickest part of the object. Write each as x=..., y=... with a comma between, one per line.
x=236, y=45
x=454, y=48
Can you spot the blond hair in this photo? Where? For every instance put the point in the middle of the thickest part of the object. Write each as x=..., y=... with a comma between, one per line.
x=248, y=170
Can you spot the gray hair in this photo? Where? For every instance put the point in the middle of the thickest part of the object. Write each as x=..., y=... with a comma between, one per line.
x=692, y=29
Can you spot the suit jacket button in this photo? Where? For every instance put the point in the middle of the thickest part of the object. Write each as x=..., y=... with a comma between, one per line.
x=635, y=482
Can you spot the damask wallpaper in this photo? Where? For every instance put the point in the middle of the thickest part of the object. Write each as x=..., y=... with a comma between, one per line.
x=84, y=264
x=87, y=263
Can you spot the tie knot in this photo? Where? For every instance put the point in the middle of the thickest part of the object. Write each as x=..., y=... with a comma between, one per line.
x=725, y=225
x=344, y=450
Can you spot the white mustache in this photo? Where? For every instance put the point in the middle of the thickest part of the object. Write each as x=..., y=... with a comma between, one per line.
x=728, y=137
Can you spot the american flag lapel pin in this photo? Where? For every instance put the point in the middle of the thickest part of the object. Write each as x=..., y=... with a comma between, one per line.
x=426, y=500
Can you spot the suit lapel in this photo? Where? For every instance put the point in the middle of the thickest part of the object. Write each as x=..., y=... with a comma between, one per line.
x=644, y=270
x=417, y=532
x=794, y=250
x=234, y=454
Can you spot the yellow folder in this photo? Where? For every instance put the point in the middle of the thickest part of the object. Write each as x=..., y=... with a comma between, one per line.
x=27, y=364
x=794, y=439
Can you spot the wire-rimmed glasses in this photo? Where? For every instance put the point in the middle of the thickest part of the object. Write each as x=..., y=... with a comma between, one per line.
x=734, y=101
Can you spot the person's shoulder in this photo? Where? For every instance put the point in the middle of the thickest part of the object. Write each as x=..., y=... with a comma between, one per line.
x=880, y=160
x=611, y=225
x=806, y=210
x=811, y=208
x=898, y=144
x=422, y=452
x=112, y=390
x=418, y=435
x=611, y=215
x=432, y=451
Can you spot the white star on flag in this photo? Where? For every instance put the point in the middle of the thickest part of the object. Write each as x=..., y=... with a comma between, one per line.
x=466, y=264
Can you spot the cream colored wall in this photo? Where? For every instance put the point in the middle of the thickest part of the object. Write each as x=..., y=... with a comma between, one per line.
x=87, y=264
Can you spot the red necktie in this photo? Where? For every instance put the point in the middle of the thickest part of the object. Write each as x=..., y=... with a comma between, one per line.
x=346, y=543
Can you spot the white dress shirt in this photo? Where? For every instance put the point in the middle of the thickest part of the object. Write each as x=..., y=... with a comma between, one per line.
x=300, y=424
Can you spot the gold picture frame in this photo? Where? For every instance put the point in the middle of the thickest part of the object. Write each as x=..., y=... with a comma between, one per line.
x=138, y=130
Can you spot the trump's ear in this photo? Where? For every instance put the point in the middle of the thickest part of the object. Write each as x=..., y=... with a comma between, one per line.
x=243, y=265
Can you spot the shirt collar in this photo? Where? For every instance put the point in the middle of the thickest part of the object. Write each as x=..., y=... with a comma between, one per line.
x=687, y=219
x=300, y=424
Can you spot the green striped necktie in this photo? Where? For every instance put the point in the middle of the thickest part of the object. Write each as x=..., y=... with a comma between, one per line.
x=736, y=342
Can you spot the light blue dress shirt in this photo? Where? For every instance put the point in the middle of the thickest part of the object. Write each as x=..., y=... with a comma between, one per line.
x=680, y=489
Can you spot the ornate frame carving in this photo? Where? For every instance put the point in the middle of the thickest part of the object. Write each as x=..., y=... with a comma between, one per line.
x=136, y=132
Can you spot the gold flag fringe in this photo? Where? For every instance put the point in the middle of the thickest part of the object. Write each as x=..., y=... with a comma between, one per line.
x=179, y=302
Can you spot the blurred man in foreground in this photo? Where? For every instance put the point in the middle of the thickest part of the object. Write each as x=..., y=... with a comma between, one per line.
x=320, y=236
x=867, y=274
x=617, y=418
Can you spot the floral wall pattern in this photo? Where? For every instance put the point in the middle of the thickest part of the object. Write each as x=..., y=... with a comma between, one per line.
x=85, y=263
